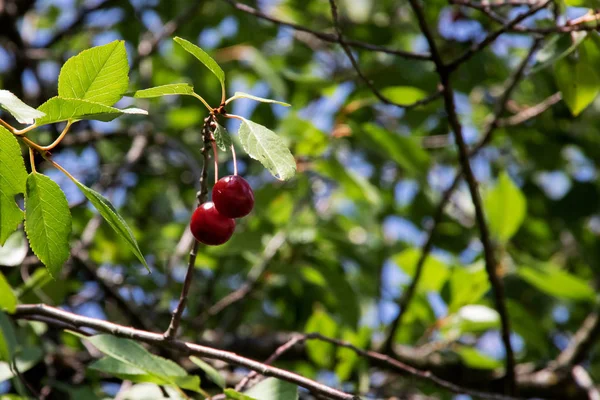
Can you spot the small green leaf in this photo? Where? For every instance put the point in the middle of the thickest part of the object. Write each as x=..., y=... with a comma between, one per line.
x=203, y=57
x=113, y=218
x=405, y=151
x=233, y=395
x=347, y=358
x=434, y=274
x=222, y=137
x=467, y=285
x=557, y=48
x=273, y=389
x=210, y=372
x=47, y=222
x=99, y=74
x=129, y=358
x=405, y=95
x=553, y=281
x=26, y=359
x=265, y=146
x=165, y=90
x=475, y=359
x=133, y=373
x=474, y=318
x=21, y=111
x=8, y=300
x=58, y=109
x=8, y=339
x=242, y=95
x=13, y=176
x=14, y=250
x=577, y=78
x=505, y=207
x=321, y=353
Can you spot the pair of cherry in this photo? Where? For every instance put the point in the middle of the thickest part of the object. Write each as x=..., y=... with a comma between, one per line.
x=213, y=222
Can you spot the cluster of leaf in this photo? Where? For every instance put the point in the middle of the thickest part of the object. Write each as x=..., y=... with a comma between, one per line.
x=89, y=85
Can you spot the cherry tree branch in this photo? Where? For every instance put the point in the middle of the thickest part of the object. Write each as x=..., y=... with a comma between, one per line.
x=444, y=72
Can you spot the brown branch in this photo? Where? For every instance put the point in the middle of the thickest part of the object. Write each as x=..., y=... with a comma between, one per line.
x=492, y=37
x=202, y=197
x=531, y=112
x=157, y=339
x=327, y=37
x=490, y=259
x=582, y=342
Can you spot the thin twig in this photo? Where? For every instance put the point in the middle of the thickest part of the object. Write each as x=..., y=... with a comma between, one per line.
x=531, y=112
x=202, y=197
x=327, y=37
x=362, y=76
x=492, y=37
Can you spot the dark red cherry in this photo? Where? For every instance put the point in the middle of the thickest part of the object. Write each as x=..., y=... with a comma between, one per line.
x=211, y=227
x=233, y=196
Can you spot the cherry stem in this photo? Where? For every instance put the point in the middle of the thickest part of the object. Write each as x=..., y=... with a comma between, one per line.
x=32, y=160
x=235, y=172
x=16, y=131
x=216, y=154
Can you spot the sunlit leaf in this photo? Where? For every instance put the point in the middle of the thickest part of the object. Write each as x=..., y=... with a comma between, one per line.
x=99, y=74
x=8, y=300
x=242, y=95
x=21, y=111
x=58, y=109
x=265, y=146
x=203, y=57
x=165, y=90
x=47, y=222
x=12, y=182
x=321, y=353
x=505, y=207
x=553, y=281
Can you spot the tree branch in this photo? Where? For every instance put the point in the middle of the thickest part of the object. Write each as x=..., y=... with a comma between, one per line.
x=157, y=339
x=490, y=260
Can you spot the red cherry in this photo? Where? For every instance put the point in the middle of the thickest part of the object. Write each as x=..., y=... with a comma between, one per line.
x=209, y=226
x=233, y=196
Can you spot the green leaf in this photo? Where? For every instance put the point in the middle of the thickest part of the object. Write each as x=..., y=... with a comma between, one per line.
x=233, y=395
x=203, y=57
x=406, y=95
x=113, y=218
x=474, y=318
x=222, y=138
x=556, y=49
x=165, y=90
x=8, y=339
x=467, y=285
x=351, y=183
x=273, y=389
x=505, y=208
x=13, y=176
x=577, y=78
x=404, y=151
x=434, y=273
x=265, y=146
x=553, y=281
x=26, y=359
x=475, y=359
x=8, y=300
x=321, y=353
x=210, y=372
x=21, y=111
x=47, y=222
x=99, y=74
x=242, y=95
x=58, y=109
x=14, y=250
x=347, y=358
x=130, y=358
x=121, y=370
